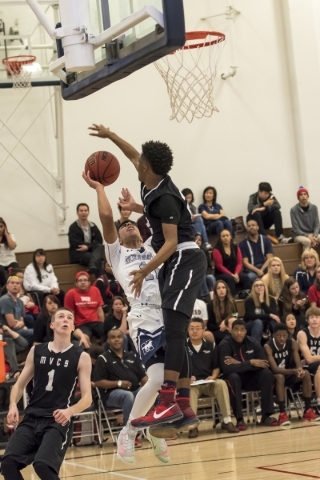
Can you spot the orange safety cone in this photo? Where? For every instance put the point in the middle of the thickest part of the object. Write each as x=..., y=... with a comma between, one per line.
x=3, y=375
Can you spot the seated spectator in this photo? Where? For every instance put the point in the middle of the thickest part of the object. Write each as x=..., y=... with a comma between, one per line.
x=256, y=251
x=15, y=343
x=265, y=209
x=244, y=366
x=200, y=311
x=119, y=374
x=12, y=310
x=305, y=221
x=209, y=281
x=212, y=212
x=86, y=303
x=229, y=321
x=314, y=290
x=260, y=311
x=292, y=300
x=227, y=259
x=309, y=344
x=7, y=256
x=205, y=366
x=306, y=273
x=144, y=230
x=291, y=323
x=117, y=320
x=124, y=216
x=219, y=309
x=31, y=309
x=284, y=360
x=275, y=277
x=85, y=242
x=197, y=220
x=39, y=277
x=42, y=332
x=108, y=287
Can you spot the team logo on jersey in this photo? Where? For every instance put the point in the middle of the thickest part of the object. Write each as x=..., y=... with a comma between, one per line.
x=205, y=351
x=147, y=347
x=249, y=351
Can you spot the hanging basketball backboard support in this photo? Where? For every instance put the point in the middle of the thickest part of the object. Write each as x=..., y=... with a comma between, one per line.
x=134, y=34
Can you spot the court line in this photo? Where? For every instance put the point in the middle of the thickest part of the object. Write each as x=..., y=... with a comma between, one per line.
x=103, y=470
x=308, y=475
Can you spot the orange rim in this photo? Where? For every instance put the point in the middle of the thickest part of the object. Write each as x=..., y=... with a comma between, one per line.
x=202, y=35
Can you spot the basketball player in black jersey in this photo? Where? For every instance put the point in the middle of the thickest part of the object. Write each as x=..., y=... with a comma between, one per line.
x=180, y=277
x=44, y=435
x=309, y=344
x=284, y=360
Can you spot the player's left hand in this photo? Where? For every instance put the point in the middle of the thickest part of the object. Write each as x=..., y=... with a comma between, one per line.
x=62, y=416
x=136, y=282
x=92, y=183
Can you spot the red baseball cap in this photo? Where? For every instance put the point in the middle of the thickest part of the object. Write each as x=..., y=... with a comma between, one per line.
x=78, y=274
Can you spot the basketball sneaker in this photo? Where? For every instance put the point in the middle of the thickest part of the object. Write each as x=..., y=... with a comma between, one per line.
x=160, y=447
x=188, y=421
x=283, y=419
x=125, y=445
x=167, y=410
x=311, y=416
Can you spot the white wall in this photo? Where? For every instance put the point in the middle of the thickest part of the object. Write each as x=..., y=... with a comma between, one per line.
x=252, y=139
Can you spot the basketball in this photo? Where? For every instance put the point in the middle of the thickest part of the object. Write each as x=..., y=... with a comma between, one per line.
x=103, y=167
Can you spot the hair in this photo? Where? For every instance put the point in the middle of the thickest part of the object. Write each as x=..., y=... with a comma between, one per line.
x=159, y=156
x=286, y=294
x=232, y=315
x=196, y=320
x=238, y=322
x=296, y=328
x=214, y=200
x=270, y=284
x=114, y=330
x=82, y=205
x=316, y=280
x=250, y=218
x=280, y=327
x=127, y=221
x=59, y=310
x=229, y=303
x=4, y=238
x=16, y=270
x=117, y=297
x=255, y=297
x=95, y=351
x=308, y=252
x=53, y=299
x=233, y=247
x=312, y=311
x=187, y=191
x=265, y=187
x=39, y=251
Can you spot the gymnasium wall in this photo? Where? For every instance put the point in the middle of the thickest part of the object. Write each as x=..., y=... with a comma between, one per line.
x=265, y=130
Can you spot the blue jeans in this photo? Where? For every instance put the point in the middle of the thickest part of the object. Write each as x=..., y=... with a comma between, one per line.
x=124, y=399
x=211, y=281
x=26, y=333
x=199, y=227
x=28, y=320
x=216, y=226
x=251, y=275
x=255, y=329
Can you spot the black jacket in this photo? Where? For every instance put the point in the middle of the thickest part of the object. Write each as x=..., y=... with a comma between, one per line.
x=250, y=309
x=76, y=238
x=243, y=352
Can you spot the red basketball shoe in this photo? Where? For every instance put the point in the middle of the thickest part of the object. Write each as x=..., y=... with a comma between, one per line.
x=188, y=421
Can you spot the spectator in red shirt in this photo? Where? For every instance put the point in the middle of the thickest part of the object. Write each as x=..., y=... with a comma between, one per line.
x=227, y=258
x=86, y=302
x=314, y=290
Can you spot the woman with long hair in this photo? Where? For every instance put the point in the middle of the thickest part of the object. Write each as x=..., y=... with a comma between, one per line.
x=197, y=220
x=293, y=300
x=42, y=332
x=291, y=322
x=314, y=290
x=227, y=259
x=220, y=308
x=117, y=319
x=7, y=256
x=215, y=219
x=275, y=277
x=39, y=277
x=260, y=310
x=306, y=273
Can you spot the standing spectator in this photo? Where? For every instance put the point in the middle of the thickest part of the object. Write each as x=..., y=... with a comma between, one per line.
x=209, y=280
x=314, y=290
x=219, y=309
x=7, y=256
x=85, y=242
x=265, y=209
x=292, y=300
x=212, y=212
x=275, y=277
x=144, y=228
x=256, y=251
x=260, y=311
x=86, y=303
x=227, y=259
x=305, y=221
x=125, y=214
x=197, y=220
x=306, y=273
x=42, y=332
x=39, y=277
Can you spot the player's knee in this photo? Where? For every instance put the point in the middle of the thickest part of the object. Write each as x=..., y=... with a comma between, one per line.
x=45, y=472
x=9, y=467
x=279, y=378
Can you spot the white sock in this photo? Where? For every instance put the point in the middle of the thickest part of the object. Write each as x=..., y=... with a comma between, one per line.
x=149, y=392
x=227, y=420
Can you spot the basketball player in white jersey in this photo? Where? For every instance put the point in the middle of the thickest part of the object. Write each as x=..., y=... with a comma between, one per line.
x=309, y=344
x=125, y=252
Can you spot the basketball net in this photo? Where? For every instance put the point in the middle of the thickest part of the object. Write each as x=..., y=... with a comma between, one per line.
x=21, y=77
x=189, y=74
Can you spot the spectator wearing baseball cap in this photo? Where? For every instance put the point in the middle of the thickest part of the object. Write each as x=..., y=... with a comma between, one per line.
x=305, y=221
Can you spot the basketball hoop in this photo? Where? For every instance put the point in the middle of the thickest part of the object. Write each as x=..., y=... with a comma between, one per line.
x=189, y=74
x=14, y=65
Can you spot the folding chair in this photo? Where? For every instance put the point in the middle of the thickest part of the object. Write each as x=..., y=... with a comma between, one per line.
x=80, y=418
x=250, y=398
x=216, y=414
x=290, y=395
x=103, y=417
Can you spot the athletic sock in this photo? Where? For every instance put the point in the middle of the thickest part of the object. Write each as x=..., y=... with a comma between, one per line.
x=307, y=403
x=168, y=384
x=183, y=392
x=227, y=420
x=282, y=407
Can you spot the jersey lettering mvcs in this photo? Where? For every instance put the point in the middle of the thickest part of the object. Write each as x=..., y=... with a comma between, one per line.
x=283, y=357
x=312, y=342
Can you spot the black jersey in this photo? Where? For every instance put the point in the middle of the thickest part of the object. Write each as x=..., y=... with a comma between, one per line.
x=55, y=379
x=284, y=357
x=172, y=210
x=313, y=342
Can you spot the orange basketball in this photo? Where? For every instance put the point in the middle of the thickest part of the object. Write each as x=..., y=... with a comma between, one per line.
x=103, y=167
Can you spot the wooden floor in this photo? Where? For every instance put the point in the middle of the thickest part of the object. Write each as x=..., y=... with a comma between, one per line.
x=259, y=453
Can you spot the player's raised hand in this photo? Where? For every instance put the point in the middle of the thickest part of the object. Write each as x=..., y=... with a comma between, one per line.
x=100, y=131
x=62, y=416
x=92, y=183
x=126, y=201
x=136, y=282
x=13, y=415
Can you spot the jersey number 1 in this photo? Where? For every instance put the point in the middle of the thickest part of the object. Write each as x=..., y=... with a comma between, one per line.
x=49, y=387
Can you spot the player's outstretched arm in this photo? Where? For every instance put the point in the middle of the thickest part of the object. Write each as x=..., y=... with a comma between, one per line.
x=17, y=390
x=129, y=151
